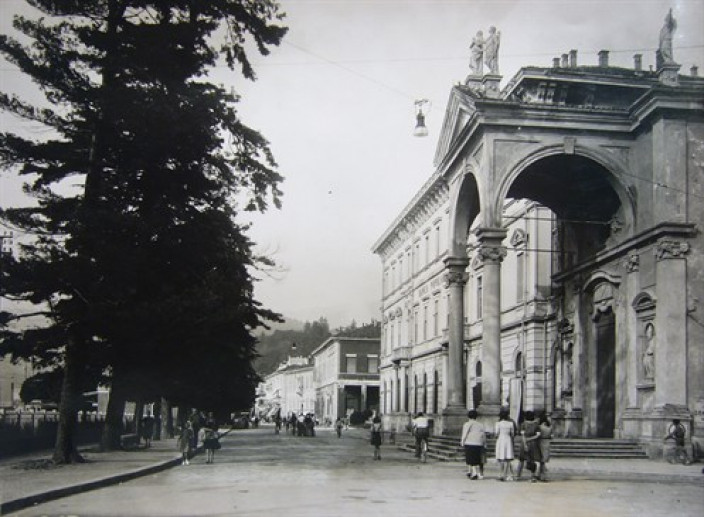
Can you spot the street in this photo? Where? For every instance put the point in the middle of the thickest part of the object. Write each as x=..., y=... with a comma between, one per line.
x=259, y=473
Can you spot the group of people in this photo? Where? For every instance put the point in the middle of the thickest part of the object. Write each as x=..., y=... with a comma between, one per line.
x=300, y=425
x=533, y=438
x=195, y=431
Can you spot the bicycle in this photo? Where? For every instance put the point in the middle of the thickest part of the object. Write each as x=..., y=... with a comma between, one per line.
x=424, y=449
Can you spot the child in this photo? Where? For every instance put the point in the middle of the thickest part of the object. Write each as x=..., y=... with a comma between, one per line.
x=184, y=442
x=677, y=432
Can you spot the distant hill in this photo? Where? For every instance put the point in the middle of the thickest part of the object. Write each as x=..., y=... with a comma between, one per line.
x=275, y=346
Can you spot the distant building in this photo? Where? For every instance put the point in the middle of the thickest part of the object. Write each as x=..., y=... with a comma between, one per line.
x=289, y=388
x=346, y=376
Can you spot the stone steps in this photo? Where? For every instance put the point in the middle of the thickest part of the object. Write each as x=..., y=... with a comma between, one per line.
x=447, y=448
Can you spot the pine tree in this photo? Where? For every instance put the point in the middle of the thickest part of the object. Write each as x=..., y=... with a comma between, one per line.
x=143, y=273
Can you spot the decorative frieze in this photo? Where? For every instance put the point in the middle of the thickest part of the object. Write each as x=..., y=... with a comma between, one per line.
x=668, y=249
x=632, y=263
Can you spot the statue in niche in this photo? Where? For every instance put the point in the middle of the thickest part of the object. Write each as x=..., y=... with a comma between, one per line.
x=567, y=370
x=477, y=53
x=667, y=33
x=649, y=352
x=491, y=50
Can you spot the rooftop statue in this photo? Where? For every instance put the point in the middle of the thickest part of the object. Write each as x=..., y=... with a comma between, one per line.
x=667, y=32
x=491, y=51
x=477, y=53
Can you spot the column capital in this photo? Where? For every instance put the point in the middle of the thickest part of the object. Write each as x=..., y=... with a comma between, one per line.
x=456, y=263
x=491, y=235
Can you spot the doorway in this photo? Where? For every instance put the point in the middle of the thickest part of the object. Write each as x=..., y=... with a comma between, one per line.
x=606, y=375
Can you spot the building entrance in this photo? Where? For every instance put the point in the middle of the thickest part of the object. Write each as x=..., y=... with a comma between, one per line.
x=605, y=375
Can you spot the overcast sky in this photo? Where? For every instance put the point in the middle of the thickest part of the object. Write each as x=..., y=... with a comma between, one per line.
x=336, y=101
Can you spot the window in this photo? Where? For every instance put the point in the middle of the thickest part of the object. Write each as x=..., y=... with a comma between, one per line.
x=480, y=295
x=416, y=258
x=437, y=240
x=436, y=309
x=427, y=249
x=351, y=363
x=416, y=322
x=425, y=322
x=520, y=272
x=372, y=364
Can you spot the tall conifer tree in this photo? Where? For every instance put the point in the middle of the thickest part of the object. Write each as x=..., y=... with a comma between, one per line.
x=144, y=273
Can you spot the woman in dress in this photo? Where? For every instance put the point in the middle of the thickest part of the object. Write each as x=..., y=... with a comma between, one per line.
x=474, y=441
x=210, y=441
x=530, y=432
x=504, y=444
x=376, y=437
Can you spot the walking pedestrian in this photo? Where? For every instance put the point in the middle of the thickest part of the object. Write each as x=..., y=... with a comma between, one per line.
x=421, y=430
x=211, y=440
x=338, y=427
x=376, y=437
x=474, y=441
x=530, y=433
x=504, y=444
x=184, y=442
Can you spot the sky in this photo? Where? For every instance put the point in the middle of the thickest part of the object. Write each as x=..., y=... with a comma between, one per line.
x=336, y=102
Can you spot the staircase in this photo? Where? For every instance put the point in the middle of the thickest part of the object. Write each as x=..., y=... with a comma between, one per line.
x=447, y=448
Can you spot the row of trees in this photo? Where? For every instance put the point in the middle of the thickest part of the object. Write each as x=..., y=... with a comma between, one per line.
x=138, y=269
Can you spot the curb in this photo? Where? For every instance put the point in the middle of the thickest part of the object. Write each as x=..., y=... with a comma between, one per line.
x=21, y=503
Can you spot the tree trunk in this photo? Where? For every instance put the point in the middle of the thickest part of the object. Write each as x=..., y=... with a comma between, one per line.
x=157, y=416
x=138, y=411
x=65, y=449
x=110, y=439
x=170, y=422
x=165, y=419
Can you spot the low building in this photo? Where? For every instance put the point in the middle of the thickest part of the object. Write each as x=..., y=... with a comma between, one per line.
x=289, y=388
x=346, y=377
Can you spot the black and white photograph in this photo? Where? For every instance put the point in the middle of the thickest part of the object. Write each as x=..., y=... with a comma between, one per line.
x=341, y=258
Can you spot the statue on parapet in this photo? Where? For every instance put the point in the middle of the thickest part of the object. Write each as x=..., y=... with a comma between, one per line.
x=491, y=51
x=477, y=53
x=664, y=54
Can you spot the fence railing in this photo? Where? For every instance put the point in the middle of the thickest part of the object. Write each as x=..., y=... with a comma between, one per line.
x=29, y=431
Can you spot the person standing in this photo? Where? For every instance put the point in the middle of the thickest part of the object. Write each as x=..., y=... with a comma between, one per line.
x=184, y=442
x=211, y=440
x=504, y=431
x=376, y=437
x=530, y=433
x=544, y=444
x=148, y=429
x=474, y=441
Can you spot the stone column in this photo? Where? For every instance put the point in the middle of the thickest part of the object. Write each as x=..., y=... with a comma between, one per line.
x=455, y=280
x=671, y=323
x=364, y=396
x=491, y=253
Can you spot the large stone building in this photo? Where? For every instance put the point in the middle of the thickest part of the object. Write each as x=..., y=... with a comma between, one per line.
x=592, y=311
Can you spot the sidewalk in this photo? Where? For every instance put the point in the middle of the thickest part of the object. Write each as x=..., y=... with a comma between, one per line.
x=22, y=486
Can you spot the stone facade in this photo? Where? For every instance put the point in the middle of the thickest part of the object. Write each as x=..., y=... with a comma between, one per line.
x=612, y=341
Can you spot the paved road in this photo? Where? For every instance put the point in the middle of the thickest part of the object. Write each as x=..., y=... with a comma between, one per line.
x=259, y=473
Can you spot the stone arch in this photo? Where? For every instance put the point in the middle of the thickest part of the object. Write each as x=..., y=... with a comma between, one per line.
x=464, y=208
x=613, y=175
